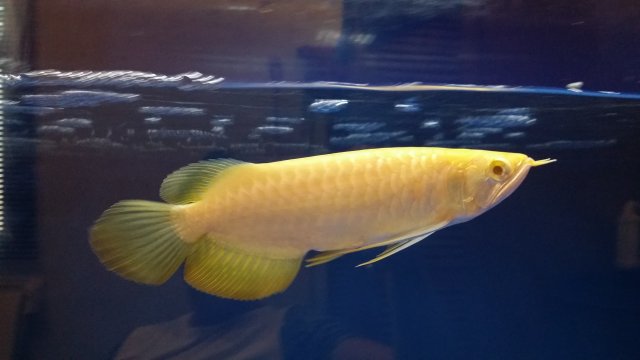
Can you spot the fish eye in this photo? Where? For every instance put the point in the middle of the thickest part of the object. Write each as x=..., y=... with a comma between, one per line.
x=499, y=170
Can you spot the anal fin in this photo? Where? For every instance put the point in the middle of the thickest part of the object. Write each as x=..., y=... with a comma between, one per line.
x=220, y=269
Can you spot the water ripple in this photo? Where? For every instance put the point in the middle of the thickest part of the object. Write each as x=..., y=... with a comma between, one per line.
x=172, y=111
x=77, y=98
x=328, y=106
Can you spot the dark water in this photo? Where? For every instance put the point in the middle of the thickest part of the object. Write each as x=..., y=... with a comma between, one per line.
x=536, y=277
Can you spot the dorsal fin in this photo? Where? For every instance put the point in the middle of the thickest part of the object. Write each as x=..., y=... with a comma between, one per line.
x=187, y=184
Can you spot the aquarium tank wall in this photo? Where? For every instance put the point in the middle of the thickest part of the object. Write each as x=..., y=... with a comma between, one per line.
x=102, y=100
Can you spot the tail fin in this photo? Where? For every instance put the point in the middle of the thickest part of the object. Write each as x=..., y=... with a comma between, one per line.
x=137, y=240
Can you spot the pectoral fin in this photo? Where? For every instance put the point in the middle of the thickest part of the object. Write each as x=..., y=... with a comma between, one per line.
x=406, y=239
x=326, y=256
x=392, y=249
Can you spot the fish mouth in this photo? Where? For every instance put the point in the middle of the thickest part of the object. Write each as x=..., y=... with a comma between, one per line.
x=510, y=186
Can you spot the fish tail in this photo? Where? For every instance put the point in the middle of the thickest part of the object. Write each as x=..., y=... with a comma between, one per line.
x=138, y=240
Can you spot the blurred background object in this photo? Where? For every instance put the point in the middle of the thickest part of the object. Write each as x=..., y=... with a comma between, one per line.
x=628, y=244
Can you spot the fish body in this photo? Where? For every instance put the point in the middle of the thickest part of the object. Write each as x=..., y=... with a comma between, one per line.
x=244, y=228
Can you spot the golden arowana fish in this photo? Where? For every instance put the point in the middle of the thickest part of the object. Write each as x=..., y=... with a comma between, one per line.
x=242, y=229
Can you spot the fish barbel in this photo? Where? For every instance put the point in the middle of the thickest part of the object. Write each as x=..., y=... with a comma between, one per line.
x=243, y=229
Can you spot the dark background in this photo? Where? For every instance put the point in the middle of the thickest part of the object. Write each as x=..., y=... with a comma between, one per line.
x=541, y=43
x=532, y=279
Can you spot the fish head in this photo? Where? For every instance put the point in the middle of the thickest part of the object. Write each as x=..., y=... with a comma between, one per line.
x=488, y=177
